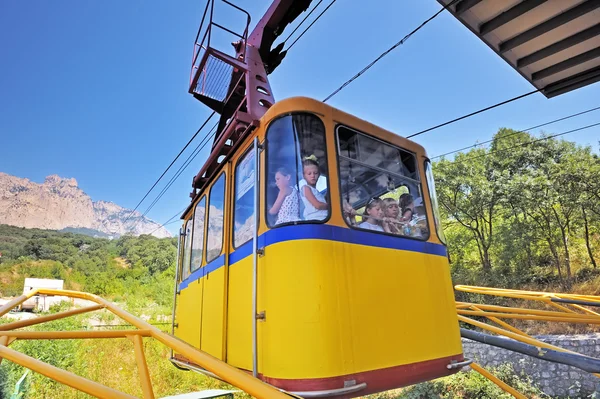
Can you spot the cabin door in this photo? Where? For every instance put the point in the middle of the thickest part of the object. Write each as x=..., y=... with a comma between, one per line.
x=244, y=206
x=214, y=301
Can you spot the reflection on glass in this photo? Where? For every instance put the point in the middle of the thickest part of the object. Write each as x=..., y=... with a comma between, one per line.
x=198, y=236
x=434, y=204
x=214, y=242
x=380, y=186
x=243, y=228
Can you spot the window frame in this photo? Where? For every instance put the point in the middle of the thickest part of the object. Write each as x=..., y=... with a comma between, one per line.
x=181, y=244
x=189, y=266
x=222, y=174
x=418, y=172
x=203, y=234
x=266, y=172
x=240, y=159
x=435, y=223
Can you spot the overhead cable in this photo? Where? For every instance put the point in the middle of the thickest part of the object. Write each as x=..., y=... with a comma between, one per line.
x=311, y=24
x=529, y=142
x=474, y=113
x=518, y=132
x=302, y=22
x=182, y=168
x=404, y=39
x=171, y=164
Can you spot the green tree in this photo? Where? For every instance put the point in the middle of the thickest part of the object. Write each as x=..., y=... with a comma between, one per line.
x=470, y=196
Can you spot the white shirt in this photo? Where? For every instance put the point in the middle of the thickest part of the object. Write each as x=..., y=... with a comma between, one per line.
x=310, y=212
x=369, y=226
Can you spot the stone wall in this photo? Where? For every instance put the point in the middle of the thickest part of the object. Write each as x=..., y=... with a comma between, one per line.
x=557, y=380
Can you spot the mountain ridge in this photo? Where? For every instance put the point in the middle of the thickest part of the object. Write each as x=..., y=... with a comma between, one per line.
x=58, y=203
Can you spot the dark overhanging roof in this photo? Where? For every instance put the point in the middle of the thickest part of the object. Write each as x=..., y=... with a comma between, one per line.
x=553, y=44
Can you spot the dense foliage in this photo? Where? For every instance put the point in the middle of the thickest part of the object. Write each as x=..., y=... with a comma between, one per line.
x=130, y=268
x=470, y=385
x=135, y=272
x=523, y=211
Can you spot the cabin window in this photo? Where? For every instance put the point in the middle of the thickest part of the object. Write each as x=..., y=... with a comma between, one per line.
x=434, y=204
x=216, y=202
x=297, y=174
x=243, y=227
x=380, y=186
x=198, y=236
x=187, y=246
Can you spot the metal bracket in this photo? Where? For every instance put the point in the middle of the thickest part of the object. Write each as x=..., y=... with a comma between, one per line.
x=261, y=315
x=458, y=365
x=260, y=251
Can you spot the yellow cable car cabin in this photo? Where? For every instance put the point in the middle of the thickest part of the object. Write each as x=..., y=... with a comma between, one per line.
x=311, y=254
x=353, y=292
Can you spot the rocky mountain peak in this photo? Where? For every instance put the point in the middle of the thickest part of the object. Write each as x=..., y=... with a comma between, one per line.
x=59, y=203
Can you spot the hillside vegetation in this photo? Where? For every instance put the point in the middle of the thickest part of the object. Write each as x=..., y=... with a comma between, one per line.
x=135, y=272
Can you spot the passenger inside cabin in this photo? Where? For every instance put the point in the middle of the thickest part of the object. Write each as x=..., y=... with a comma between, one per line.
x=349, y=213
x=418, y=207
x=422, y=231
x=286, y=206
x=391, y=211
x=315, y=205
x=407, y=207
x=373, y=216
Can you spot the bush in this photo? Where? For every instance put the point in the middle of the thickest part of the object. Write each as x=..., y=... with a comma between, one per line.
x=472, y=385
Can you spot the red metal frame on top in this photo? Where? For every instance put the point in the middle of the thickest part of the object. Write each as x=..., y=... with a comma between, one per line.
x=248, y=93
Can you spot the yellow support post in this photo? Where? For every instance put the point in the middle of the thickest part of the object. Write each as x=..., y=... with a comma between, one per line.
x=138, y=346
x=8, y=306
x=581, y=319
x=538, y=312
x=62, y=376
x=30, y=322
x=222, y=370
x=3, y=342
x=527, y=295
x=504, y=386
x=502, y=323
x=73, y=334
x=586, y=310
x=556, y=305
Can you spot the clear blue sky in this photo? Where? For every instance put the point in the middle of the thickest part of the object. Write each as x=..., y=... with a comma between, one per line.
x=97, y=90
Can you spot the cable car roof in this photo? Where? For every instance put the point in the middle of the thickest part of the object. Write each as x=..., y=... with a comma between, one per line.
x=554, y=44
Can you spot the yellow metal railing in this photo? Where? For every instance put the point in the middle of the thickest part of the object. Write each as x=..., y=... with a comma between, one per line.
x=570, y=309
x=227, y=373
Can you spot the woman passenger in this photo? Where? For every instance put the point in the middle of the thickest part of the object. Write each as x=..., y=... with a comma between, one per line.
x=286, y=206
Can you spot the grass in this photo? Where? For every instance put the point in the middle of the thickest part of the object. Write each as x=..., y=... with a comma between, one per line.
x=110, y=362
